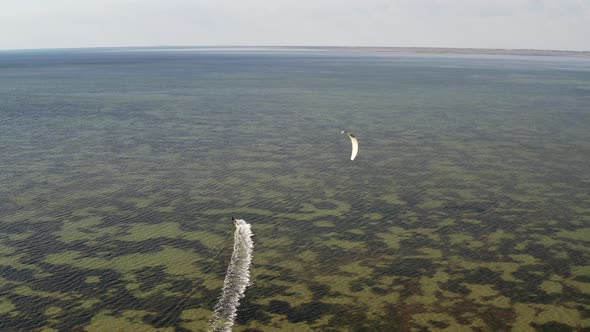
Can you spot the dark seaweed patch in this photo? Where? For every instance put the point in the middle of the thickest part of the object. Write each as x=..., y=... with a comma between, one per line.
x=279, y=307
x=456, y=286
x=360, y=284
x=250, y=311
x=32, y=308
x=308, y=312
x=554, y=327
x=438, y=324
x=482, y=276
x=379, y=290
x=319, y=291
x=355, y=319
x=498, y=319
x=11, y=273
x=150, y=277
x=264, y=289
x=408, y=267
x=584, y=278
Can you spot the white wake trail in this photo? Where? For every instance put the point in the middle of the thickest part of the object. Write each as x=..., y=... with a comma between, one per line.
x=237, y=278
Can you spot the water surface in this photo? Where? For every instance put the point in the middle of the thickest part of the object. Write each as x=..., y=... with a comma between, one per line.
x=468, y=206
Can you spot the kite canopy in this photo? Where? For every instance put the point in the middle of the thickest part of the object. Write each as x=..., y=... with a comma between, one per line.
x=354, y=142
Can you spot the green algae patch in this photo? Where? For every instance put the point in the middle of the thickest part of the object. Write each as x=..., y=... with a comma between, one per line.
x=434, y=320
x=28, y=291
x=176, y=261
x=143, y=232
x=280, y=323
x=19, y=216
x=195, y=319
x=85, y=229
x=356, y=231
x=141, y=203
x=546, y=240
x=87, y=304
x=6, y=306
x=583, y=287
x=500, y=235
x=505, y=268
x=295, y=293
x=428, y=253
x=212, y=284
x=525, y=259
x=63, y=258
x=364, y=295
x=429, y=287
x=52, y=311
x=373, y=216
x=561, y=254
x=485, y=294
x=357, y=246
x=168, y=209
x=521, y=245
x=278, y=242
x=210, y=240
x=49, y=329
x=92, y=279
x=20, y=236
x=392, y=199
x=397, y=234
x=471, y=221
x=268, y=256
x=6, y=250
x=297, y=266
x=308, y=256
x=481, y=291
x=431, y=204
x=464, y=239
x=393, y=238
x=324, y=223
x=550, y=287
x=581, y=234
x=447, y=222
x=559, y=314
x=356, y=268
x=240, y=211
x=130, y=320
x=525, y=315
x=160, y=289
x=310, y=211
x=581, y=270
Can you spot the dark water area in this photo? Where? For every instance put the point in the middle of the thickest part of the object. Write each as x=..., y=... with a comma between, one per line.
x=467, y=208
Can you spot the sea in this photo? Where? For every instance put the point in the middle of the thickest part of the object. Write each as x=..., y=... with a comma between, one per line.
x=466, y=209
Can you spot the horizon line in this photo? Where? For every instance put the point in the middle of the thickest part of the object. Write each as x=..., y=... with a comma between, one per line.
x=350, y=47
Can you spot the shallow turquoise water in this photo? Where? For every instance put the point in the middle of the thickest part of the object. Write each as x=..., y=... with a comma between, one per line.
x=467, y=206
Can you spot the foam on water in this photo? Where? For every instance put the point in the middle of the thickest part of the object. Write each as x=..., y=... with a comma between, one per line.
x=237, y=278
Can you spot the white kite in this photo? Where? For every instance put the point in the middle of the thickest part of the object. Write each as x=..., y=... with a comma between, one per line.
x=355, y=144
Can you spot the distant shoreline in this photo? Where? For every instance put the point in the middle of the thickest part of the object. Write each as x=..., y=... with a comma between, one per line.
x=449, y=50
x=375, y=49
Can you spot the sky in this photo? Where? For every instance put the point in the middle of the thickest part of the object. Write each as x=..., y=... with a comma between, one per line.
x=511, y=24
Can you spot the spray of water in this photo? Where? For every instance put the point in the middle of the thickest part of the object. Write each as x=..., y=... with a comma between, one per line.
x=237, y=278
